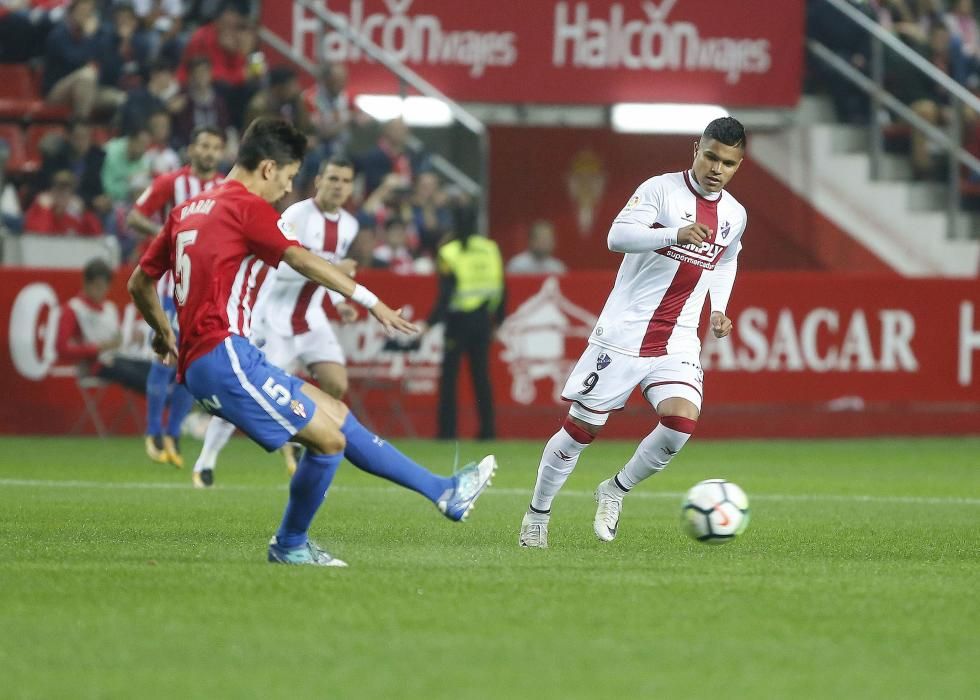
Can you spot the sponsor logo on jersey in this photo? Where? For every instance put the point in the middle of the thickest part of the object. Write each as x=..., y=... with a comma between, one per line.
x=602, y=361
x=705, y=255
x=298, y=408
x=634, y=200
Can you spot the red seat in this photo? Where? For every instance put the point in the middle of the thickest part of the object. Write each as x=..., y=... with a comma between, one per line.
x=14, y=137
x=17, y=82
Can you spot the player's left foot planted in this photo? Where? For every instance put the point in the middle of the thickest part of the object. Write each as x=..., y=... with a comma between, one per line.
x=458, y=502
x=609, y=508
x=309, y=554
x=172, y=452
x=155, y=449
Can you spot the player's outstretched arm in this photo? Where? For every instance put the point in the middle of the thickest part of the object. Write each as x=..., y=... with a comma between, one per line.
x=630, y=237
x=315, y=268
x=142, y=289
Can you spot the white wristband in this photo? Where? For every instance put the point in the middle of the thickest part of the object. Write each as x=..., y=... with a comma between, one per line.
x=363, y=296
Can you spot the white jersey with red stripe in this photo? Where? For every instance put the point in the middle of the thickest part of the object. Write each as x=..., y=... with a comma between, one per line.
x=290, y=303
x=655, y=305
x=172, y=189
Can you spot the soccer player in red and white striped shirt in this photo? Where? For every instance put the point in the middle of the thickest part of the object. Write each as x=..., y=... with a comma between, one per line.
x=681, y=234
x=153, y=206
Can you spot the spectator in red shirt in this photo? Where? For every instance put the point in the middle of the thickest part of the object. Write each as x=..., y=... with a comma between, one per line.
x=89, y=332
x=60, y=211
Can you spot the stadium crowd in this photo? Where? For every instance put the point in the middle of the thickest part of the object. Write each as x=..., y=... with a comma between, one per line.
x=944, y=32
x=117, y=88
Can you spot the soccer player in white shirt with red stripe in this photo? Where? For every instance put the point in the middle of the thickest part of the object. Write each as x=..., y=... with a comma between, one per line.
x=681, y=235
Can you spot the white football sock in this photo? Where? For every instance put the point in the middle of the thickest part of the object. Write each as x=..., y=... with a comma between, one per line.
x=218, y=434
x=559, y=459
x=655, y=451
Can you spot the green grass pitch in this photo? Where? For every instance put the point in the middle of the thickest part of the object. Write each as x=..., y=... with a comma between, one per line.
x=859, y=577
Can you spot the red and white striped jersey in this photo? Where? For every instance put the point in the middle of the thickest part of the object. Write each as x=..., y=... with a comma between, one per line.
x=171, y=190
x=219, y=246
x=292, y=304
x=655, y=305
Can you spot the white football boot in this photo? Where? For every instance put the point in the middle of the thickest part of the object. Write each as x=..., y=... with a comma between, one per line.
x=610, y=506
x=534, y=530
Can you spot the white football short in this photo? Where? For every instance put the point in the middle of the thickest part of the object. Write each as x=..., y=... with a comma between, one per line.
x=317, y=345
x=603, y=380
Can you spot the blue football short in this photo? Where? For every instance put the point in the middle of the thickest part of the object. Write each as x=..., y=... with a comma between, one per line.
x=235, y=382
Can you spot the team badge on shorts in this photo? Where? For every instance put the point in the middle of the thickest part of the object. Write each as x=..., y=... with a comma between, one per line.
x=298, y=408
x=602, y=361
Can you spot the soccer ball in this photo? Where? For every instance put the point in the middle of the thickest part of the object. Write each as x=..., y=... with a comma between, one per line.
x=715, y=511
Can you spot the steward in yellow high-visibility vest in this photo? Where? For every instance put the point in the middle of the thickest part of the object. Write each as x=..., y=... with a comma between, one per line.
x=471, y=302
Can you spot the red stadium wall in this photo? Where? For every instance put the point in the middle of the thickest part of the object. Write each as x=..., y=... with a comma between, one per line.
x=812, y=355
x=579, y=179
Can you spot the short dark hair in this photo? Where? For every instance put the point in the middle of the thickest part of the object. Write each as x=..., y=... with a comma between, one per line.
x=207, y=129
x=726, y=130
x=268, y=138
x=95, y=269
x=280, y=75
x=337, y=161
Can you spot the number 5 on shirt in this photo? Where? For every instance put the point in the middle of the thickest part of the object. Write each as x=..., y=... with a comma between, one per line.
x=182, y=265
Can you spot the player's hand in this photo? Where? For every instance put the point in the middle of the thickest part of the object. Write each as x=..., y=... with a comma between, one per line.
x=392, y=319
x=721, y=325
x=694, y=234
x=165, y=345
x=114, y=343
x=348, y=267
x=347, y=311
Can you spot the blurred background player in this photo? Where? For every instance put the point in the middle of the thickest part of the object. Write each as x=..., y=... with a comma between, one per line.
x=539, y=257
x=681, y=235
x=219, y=244
x=289, y=317
x=154, y=205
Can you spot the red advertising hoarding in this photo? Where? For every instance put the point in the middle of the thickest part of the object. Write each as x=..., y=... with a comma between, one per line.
x=565, y=51
x=811, y=355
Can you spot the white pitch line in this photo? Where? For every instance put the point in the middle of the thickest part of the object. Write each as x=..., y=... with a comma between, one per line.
x=658, y=495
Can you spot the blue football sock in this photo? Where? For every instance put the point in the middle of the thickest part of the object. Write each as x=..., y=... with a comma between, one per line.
x=157, y=386
x=368, y=452
x=306, y=492
x=181, y=402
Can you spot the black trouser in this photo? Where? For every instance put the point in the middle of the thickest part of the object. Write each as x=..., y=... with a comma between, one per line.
x=469, y=333
x=128, y=372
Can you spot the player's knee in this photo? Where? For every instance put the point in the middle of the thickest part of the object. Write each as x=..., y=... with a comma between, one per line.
x=335, y=386
x=574, y=424
x=681, y=408
x=331, y=444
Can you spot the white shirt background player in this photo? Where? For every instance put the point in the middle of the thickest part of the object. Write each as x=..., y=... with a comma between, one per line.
x=681, y=235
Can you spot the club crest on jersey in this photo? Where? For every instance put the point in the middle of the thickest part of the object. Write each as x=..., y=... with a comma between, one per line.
x=634, y=200
x=287, y=230
x=298, y=408
x=725, y=230
x=602, y=361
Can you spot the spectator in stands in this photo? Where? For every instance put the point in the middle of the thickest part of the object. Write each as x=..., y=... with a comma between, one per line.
x=965, y=43
x=538, y=259
x=60, y=211
x=391, y=155
x=162, y=93
x=827, y=25
x=126, y=169
x=282, y=98
x=162, y=21
x=89, y=333
x=390, y=200
x=331, y=109
x=22, y=32
x=11, y=216
x=431, y=213
x=161, y=154
x=925, y=97
x=71, y=59
x=203, y=105
x=124, y=50
x=81, y=156
x=225, y=42
x=393, y=253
